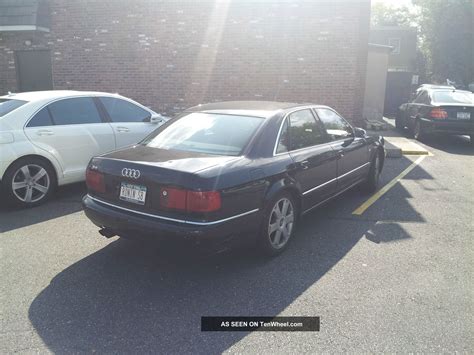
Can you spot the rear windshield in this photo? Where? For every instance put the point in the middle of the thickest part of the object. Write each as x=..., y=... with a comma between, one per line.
x=8, y=105
x=207, y=133
x=453, y=97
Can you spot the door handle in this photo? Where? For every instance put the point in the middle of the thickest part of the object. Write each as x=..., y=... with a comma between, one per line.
x=304, y=164
x=44, y=132
x=123, y=129
x=340, y=153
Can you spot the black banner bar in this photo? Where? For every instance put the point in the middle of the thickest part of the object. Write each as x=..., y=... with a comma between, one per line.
x=263, y=324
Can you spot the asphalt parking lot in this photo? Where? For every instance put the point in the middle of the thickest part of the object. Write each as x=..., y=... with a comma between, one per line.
x=398, y=278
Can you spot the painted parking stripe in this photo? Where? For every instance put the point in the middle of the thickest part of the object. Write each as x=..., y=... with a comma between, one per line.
x=362, y=208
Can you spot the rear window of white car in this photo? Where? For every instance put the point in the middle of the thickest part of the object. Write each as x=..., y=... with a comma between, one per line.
x=453, y=97
x=8, y=105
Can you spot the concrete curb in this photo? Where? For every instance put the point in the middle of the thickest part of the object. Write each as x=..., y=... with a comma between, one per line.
x=392, y=151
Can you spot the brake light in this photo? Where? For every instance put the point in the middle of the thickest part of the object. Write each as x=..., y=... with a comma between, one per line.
x=190, y=201
x=95, y=181
x=438, y=113
x=173, y=198
x=203, y=201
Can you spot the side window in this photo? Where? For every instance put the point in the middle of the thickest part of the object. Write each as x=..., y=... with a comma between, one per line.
x=335, y=125
x=283, y=142
x=124, y=111
x=422, y=98
x=304, y=130
x=42, y=118
x=74, y=111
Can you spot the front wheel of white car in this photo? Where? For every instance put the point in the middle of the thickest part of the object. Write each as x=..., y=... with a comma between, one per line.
x=29, y=182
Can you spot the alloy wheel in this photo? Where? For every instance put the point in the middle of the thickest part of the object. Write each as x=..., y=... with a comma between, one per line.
x=30, y=183
x=280, y=223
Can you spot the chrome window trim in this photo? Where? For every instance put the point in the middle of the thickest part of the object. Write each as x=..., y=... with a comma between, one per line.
x=337, y=178
x=313, y=109
x=337, y=113
x=300, y=108
x=174, y=219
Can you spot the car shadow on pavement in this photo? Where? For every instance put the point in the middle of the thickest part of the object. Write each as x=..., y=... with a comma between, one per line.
x=66, y=201
x=459, y=145
x=139, y=297
x=131, y=297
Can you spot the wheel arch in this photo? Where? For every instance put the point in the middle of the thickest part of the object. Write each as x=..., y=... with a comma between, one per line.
x=285, y=184
x=37, y=156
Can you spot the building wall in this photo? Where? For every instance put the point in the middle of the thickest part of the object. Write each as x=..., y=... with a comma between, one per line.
x=375, y=83
x=405, y=58
x=170, y=55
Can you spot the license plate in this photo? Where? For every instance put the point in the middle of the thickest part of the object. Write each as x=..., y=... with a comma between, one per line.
x=464, y=115
x=132, y=193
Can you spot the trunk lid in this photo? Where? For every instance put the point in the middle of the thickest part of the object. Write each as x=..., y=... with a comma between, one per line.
x=141, y=168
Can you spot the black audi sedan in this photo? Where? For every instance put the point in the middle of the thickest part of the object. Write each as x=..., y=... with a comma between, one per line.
x=226, y=173
x=438, y=109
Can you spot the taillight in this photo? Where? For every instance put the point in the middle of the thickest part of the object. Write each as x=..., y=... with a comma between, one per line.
x=174, y=199
x=203, y=201
x=95, y=181
x=438, y=113
x=190, y=201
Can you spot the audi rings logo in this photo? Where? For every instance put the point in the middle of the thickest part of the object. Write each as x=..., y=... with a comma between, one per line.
x=131, y=173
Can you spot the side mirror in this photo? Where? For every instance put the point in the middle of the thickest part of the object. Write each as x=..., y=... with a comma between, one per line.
x=359, y=132
x=157, y=119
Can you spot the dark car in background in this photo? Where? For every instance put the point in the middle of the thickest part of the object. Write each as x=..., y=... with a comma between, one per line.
x=224, y=173
x=438, y=110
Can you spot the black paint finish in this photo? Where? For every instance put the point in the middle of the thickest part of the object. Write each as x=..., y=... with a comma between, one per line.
x=245, y=182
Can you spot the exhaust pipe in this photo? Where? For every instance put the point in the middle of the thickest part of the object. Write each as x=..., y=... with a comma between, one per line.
x=107, y=233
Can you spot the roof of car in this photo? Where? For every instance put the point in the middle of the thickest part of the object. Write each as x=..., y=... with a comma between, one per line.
x=51, y=94
x=434, y=86
x=248, y=108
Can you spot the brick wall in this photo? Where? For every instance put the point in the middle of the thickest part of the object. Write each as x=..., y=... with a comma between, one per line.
x=170, y=55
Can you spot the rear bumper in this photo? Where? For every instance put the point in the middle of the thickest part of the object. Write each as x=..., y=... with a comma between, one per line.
x=131, y=225
x=448, y=127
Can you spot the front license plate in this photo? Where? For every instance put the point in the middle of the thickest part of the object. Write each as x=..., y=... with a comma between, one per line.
x=464, y=115
x=133, y=193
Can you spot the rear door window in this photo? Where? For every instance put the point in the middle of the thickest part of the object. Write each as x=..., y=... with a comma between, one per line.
x=42, y=118
x=123, y=111
x=336, y=126
x=304, y=130
x=80, y=110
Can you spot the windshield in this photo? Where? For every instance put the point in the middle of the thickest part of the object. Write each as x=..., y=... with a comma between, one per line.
x=207, y=133
x=8, y=105
x=453, y=97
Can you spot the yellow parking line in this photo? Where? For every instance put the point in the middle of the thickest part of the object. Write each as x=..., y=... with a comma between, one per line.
x=362, y=208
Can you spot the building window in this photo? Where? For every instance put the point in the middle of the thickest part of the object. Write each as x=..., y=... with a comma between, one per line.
x=395, y=43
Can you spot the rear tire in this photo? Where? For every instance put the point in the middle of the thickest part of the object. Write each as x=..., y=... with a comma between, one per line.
x=372, y=182
x=418, y=132
x=398, y=121
x=29, y=182
x=279, y=224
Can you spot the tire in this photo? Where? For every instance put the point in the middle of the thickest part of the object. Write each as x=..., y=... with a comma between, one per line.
x=35, y=181
x=418, y=132
x=277, y=232
x=372, y=182
x=398, y=122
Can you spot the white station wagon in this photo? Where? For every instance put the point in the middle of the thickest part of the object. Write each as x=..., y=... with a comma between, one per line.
x=48, y=137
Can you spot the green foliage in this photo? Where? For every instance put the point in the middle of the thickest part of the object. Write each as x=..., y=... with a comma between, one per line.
x=447, y=38
x=386, y=15
x=446, y=41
